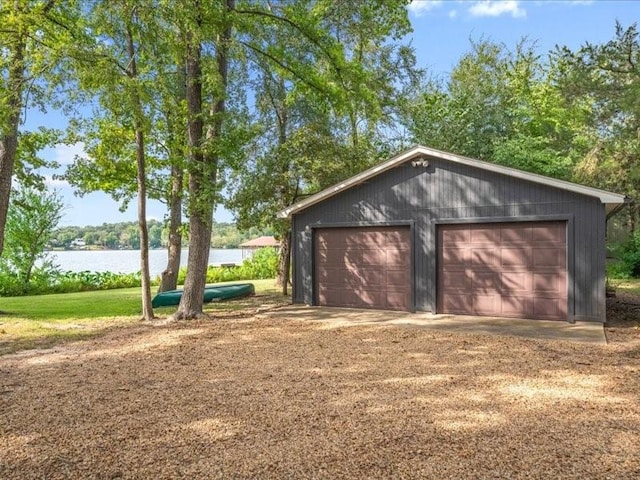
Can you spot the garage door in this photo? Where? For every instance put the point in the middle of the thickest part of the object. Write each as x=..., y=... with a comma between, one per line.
x=363, y=267
x=503, y=269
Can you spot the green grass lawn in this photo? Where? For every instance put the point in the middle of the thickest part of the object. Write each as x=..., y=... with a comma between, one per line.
x=628, y=286
x=44, y=320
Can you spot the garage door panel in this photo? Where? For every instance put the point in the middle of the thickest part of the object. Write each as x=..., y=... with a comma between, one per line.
x=395, y=278
x=549, y=282
x=394, y=237
x=456, y=256
x=487, y=281
x=398, y=257
x=397, y=300
x=484, y=235
x=363, y=267
x=513, y=305
x=374, y=257
x=486, y=304
x=484, y=257
x=515, y=257
x=349, y=279
x=550, y=233
x=517, y=235
x=549, y=257
x=325, y=273
x=330, y=296
x=514, y=282
x=456, y=234
x=324, y=239
x=461, y=303
x=548, y=307
x=372, y=277
x=339, y=258
x=456, y=280
x=512, y=269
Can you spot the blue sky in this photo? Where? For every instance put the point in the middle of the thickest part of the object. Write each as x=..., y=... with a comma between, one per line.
x=442, y=32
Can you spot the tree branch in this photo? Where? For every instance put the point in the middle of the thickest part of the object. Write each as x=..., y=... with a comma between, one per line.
x=284, y=66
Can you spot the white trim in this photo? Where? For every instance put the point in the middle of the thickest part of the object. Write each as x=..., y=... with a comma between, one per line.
x=608, y=198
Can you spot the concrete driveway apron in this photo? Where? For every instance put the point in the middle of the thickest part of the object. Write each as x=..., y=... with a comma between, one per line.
x=334, y=317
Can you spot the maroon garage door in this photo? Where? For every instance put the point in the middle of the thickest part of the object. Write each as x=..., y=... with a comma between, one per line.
x=503, y=269
x=368, y=267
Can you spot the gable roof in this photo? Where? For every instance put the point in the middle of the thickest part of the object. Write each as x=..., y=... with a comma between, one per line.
x=264, y=241
x=611, y=200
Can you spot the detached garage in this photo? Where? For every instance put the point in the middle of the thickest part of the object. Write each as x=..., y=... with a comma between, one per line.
x=433, y=231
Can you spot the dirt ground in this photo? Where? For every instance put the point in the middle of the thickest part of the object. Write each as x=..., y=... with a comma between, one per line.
x=244, y=396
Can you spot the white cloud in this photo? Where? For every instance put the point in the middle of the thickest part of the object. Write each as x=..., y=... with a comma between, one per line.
x=421, y=7
x=64, y=154
x=565, y=2
x=495, y=8
x=55, y=183
x=453, y=13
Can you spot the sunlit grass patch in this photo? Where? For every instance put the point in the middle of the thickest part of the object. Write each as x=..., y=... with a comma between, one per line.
x=21, y=333
x=46, y=320
x=629, y=286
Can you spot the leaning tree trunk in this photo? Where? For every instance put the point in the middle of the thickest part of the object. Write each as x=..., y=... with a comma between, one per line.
x=169, y=277
x=9, y=131
x=147, y=309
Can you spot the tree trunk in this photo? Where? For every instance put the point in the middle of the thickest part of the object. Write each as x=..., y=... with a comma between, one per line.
x=169, y=278
x=147, y=309
x=9, y=131
x=192, y=298
x=284, y=263
x=202, y=171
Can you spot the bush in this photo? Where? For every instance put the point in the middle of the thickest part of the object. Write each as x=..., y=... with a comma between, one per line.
x=263, y=264
x=628, y=263
x=44, y=282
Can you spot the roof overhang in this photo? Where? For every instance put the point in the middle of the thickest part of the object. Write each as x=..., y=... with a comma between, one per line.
x=609, y=199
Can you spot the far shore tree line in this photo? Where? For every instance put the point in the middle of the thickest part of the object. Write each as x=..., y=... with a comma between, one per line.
x=125, y=235
x=254, y=105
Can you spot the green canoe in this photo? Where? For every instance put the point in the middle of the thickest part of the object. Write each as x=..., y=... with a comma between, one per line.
x=221, y=292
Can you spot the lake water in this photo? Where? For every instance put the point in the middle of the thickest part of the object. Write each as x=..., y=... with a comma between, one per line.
x=128, y=261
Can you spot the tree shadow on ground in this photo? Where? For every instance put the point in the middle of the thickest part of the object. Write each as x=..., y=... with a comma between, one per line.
x=279, y=397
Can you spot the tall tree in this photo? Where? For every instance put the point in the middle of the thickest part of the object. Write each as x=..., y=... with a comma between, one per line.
x=468, y=113
x=202, y=140
x=135, y=101
x=607, y=78
x=120, y=33
x=33, y=38
x=316, y=130
x=503, y=106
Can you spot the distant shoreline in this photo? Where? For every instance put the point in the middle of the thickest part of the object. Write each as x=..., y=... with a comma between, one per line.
x=105, y=249
x=128, y=261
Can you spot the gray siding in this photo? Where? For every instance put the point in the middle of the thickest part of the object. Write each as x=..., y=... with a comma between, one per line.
x=450, y=192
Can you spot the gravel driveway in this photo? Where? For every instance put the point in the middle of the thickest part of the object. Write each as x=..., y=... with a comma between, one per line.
x=279, y=398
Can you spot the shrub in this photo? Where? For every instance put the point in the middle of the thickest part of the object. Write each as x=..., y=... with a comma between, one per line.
x=43, y=282
x=628, y=263
x=262, y=264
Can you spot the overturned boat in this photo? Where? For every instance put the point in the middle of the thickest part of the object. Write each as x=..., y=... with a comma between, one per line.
x=211, y=294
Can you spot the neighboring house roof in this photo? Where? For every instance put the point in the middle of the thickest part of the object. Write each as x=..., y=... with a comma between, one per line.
x=611, y=200
x=260, y=242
